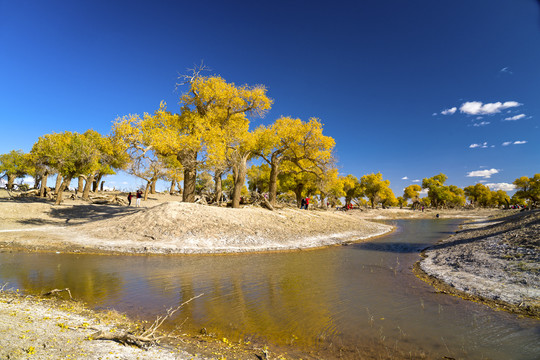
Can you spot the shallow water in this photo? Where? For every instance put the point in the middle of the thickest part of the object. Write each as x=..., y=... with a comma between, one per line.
x=356, y=301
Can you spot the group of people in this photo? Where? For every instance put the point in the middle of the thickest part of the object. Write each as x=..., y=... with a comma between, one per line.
x=305, y=203
x=138, y=196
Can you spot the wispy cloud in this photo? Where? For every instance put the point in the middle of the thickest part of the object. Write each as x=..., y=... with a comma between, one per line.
x=478, y=108
x=483, y=123
x=449, y=111
x=416, y=180
x=514, y=118
x=483, y=145
x=506, y=143
x=506, y=70
x=405, y=178
x=501, y=186
x=486, y=174
x=520, y=142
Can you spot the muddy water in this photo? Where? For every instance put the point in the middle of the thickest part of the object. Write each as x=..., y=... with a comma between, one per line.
x=356, y=301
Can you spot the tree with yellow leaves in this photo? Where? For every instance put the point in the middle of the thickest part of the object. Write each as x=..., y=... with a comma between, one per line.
x=211, y=110
x=412, y=192
x=13, y=165
x=351, y=188
x=295, y=141
x=377, y=190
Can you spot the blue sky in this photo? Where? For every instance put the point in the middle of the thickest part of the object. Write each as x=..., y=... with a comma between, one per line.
x=407, y=88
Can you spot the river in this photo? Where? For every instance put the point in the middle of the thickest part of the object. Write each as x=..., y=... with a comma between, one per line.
x=355, y=301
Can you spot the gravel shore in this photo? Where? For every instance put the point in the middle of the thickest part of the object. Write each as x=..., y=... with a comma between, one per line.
x=497, y=263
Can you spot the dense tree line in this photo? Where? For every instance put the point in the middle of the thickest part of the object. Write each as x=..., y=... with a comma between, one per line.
x=207, y=145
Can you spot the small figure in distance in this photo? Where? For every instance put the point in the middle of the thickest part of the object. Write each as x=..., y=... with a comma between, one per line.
x=437, y=216
x=129, y=198
x=307, y=203
x=303, y=203
x=138, y=201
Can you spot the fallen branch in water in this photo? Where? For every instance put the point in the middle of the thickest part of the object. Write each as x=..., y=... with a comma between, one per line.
x=145, y=339
x=56, y=291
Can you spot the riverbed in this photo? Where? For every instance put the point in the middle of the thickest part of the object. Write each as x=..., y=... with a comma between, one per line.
x=354, y=301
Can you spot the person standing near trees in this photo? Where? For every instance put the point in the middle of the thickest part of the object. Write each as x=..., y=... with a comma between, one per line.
x=307, y=203
x=129, y=199
x=138, y=201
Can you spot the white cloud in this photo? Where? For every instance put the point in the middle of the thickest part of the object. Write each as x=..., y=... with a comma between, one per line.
x=405, y=178
x=514, y=118
x=423, y=192
x=416, y=180
x=483, y=123
x=520, y=142
x=486, y=174
x=501, y=186
x=478, y=108
x=483, y=145
x=449, y=111
x=506, y=70
x=506, y=143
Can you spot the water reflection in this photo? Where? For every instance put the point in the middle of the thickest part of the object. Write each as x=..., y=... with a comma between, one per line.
x=350, y=301
x=41, y=273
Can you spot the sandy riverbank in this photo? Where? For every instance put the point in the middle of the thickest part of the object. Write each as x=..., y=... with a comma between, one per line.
x=165, y=225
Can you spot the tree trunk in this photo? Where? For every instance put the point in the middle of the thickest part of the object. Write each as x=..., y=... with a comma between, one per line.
x=11, y=181
x=272, y=187
x=80, y=187
x=171, y=189
x=189, y=160
x=153, y=187
x=218, y=189
x=298, y=192
x=97, y=182
x=58, y=183
x=101, y=186
x=239, y=175
x=147, y=189
x=37, y=181
x=190, y=177
x=89, y=182
x=61, y=189
x=43, y=185
x=323, y=201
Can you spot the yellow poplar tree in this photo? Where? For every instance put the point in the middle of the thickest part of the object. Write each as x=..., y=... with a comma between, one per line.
x=295, y=141
x=208, y=108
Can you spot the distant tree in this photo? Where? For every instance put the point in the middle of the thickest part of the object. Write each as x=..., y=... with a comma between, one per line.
x=528, y=188
x=258, y=178
x=401, y=202
x=69, y=154
x=352, y=188
x=438, y=194
x=328, y=185
x=204, y=184
x=14, y=165
x=110, y=156
x=376, y=189
x=456, y=197
x=478, y=194
x=173, y=173
x=500, y=197
x=412, y=192
x=293, y=140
